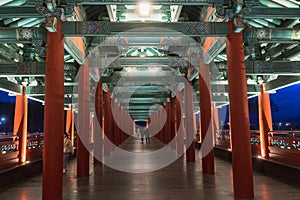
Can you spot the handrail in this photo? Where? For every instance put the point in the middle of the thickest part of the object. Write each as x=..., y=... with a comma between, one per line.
x=9, y=145
x=284, y=142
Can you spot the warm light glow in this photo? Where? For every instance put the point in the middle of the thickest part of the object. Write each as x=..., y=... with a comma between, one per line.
x=144, y=9
x=259, y=156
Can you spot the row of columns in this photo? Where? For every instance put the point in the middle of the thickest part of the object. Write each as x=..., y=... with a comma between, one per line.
x=54, y=120
x=54, y=101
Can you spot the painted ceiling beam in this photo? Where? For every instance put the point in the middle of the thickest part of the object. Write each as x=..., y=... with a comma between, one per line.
x=218, y=46
x=271, y=35
x=23, y=69
x=10, y=87
x=273, y=13
x=139, y=108
x=137, y=89
x=134, y=2
x=103, y=28
x=142, y=80
x=258, y=67
x=19, y=11
x=22, y=35
x=223, y=89
x=281, y=82
x=141, y=95
x=73, y=49
x=15, y=3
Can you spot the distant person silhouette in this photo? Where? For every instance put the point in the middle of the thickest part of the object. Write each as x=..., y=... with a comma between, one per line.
x=68, y=151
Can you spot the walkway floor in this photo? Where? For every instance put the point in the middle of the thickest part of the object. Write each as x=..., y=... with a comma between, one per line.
x=178, y=181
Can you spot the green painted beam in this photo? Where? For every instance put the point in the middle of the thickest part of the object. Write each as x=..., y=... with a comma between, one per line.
x=40, y=90
x=141, y=61
x=148, y=107
x=141, y=111
x=273, y=13
x=35, y=69
x=287, y=68
x=19, y=11
x=136, y=89
x=218, y=46
x=134, y=2
x=103, y=28
x=142, y=95
x=271, y=35
x=10, y=87
x=223, y=89
x=220, y=99
x=22, y=35
x=258, y=67
x=74, y=50
x=141, y=80
x=281, y=82
x=139, y=104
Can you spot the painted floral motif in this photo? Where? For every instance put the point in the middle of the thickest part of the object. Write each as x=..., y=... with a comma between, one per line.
x=94, y=27
x=176, y=62
x=24, y=68
x=296, y=67
x=26, y=33
x=264, y=67
x=197, y=28
x=262, y=33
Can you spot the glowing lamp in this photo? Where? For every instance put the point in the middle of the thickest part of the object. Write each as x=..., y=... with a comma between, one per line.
x=144, y=9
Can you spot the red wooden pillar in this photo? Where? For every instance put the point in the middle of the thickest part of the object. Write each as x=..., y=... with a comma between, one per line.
x=107, y=122
x=68, y=120
x=265, y=121
x=162, y=131
x=72, y=131
x=83, y=135
x=239, y=117
x=54, y=116
x=179, y=124
x=70, y=124
x=98, y=124
x=173, y=122
x=189, y=122
x=168, y=123
x=112, y=125
x=116, y=123
x=216, y=124
x=158, y=122
x=20, y=123
x=208, y=163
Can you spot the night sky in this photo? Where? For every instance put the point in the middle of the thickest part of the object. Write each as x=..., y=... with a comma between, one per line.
x=287, y=100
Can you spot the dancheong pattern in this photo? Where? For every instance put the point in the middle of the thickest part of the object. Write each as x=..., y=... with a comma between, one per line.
x=196, y=28
x=25, y=34
x=95, y=27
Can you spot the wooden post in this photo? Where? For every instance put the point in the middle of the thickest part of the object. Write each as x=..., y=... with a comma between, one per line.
x=239, y=116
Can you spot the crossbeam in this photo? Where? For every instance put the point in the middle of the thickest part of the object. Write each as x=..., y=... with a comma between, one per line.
x=103, y=28
x=273, y=35
x=22, y=35
x=9, y=86
x=259, y=67
x=281, y=82
x=134, y=2
x=273, y=13
x=19, y=11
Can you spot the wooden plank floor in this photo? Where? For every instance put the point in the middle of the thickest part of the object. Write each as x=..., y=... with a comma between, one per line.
x=180, y=180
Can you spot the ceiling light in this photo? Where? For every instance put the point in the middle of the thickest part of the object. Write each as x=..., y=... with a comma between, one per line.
x=144, y=9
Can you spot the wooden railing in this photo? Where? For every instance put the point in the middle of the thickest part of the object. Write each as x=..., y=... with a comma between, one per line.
x=9, y=149
x=284, y=146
